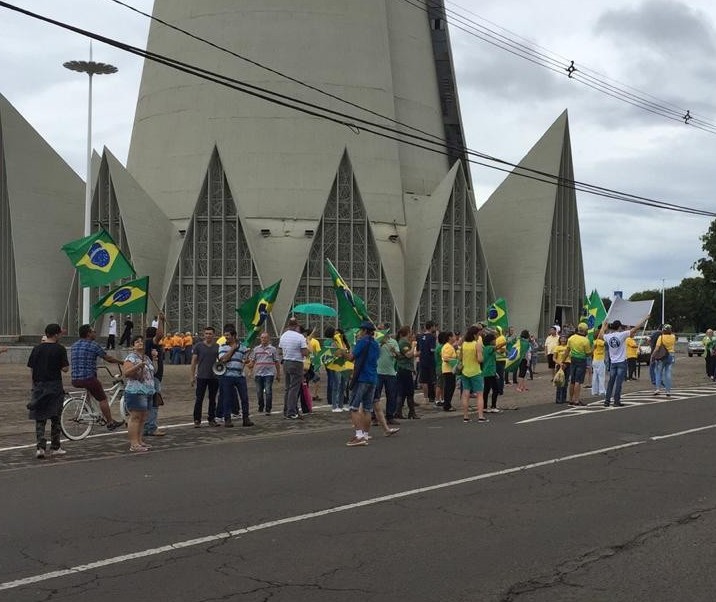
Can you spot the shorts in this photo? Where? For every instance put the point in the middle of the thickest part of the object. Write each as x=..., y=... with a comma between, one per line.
x=441, y=380
x=362, y=395
x=138, y=402
x=473, y=384
x=92, y=385
x=550, y=361
x=427, y=373
x=579, y=369
x=522, y=369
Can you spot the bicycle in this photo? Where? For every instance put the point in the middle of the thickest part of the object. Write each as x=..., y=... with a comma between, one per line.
x=80, y=411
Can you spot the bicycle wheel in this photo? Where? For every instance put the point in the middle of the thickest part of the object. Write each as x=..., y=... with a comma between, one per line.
x=122, y=408
x=76, y=419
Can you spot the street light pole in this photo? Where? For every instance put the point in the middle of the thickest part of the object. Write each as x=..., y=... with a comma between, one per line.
x=90, y=68
x=662, y=301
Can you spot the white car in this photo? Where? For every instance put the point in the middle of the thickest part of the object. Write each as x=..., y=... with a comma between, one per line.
x=696, y=345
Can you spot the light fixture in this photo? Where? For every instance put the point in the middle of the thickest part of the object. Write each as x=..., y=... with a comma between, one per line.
x=182, y=233
x=265, y=232
x=308, y=233
x=393, y=238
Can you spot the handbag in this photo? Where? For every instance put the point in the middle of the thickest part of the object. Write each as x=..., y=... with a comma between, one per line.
x=660, y=353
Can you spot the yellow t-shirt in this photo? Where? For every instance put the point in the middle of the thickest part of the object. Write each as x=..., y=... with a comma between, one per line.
x=338, y=343
x=561, y=354
x=579, y=347
x=668, y=341
x=501, y=348
x=599, y=349
x=632, y=349
x=468, y=354
x=314, y=347
x=448, y=353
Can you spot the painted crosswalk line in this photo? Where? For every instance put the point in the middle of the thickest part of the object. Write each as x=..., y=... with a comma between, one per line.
x=629, y=400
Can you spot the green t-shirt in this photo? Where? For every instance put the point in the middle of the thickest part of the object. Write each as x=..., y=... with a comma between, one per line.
x=386, y=358
x=489, y=361
x=406, y=363
x=438, y=357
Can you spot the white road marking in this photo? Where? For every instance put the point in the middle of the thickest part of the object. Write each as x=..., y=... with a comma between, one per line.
x=629, y=400
x=83, y=568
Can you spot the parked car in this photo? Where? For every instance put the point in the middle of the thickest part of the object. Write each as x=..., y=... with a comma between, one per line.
x=644, y=357
x=696, y=345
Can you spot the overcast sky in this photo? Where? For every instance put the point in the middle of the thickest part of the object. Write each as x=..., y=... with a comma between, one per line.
x=666, y=48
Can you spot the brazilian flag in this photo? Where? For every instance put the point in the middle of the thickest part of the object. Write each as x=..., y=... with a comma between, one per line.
x=596, y=314
x=130, y=298
x=497, y=315
x=516, y=353
x=254, y=312
x=351, y=308
x=98, y=260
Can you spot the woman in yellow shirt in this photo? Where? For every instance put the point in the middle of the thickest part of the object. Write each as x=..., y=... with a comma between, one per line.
x=632, y=352
x=561, y=360
x=471, y=377
x=663, y=366
x=599, y=385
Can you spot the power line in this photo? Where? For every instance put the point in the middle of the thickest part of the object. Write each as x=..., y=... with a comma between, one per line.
x=350, y=121
x=582, y=75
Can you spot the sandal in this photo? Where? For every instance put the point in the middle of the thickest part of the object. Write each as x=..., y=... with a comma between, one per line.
x=138, y=448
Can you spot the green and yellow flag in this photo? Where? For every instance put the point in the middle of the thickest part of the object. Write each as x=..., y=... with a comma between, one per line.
x=130, y=298
x=596, y=314
x=516, y=353
x=254, y=312
x=497, y=315
x=98, y=260
x=351, y=308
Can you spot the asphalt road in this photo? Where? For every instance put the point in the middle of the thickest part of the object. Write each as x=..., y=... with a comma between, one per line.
x=539, y=505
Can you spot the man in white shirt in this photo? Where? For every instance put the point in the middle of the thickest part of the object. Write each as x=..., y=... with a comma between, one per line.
x=294, y=348
x=550, y=343
x=111, y=339
x=615, y=342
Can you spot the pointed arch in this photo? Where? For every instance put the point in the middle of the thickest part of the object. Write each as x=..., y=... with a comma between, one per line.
x=345, y=236
x=215, y=271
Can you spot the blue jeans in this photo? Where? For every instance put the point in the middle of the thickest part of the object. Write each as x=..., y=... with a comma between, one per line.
x=652, y=372
x=362, y=395
x=330, y=385
x=264, y=392
x=150, y=424
x=390, y=383
x=340, y=382
x=663, y=373
x=617, y=374
x=229, y=386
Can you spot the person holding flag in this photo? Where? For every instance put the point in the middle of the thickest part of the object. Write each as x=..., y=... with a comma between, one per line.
x=579, y=350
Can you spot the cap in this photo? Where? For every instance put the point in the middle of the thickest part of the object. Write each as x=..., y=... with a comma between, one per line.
x=667, y=327
x=366, y=325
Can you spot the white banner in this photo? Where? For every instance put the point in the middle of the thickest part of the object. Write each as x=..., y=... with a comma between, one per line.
x=629, y=313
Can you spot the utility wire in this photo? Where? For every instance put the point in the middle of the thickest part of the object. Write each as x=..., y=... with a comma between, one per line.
x=582, y=75
x=350, y=121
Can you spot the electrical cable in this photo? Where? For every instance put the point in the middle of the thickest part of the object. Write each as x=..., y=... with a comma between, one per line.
x=368, y=127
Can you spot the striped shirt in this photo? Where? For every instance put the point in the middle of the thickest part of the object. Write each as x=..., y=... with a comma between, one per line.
x=264, y=358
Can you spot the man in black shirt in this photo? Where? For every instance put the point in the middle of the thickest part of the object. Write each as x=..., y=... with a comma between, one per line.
x=426, y=360
x=48, y=361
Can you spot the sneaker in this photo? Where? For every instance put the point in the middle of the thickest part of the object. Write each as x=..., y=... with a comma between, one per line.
x=656, y=392
x=391, y=431
x=57, y=452
x=268, y=413
x=213, y=423
x=618, y=404
x=339, y=410
x=114, y=425
x=439, y=402
x=157, y=433
x=40, y=453
x=345, y=409
x=450, y=409
x=355, y=442
x=466, y=420
x=607, y=404
x=228, y=423
x=483, y=419
x=292, y=416
x=247, y=422
x=367, y=437
x=197, y=424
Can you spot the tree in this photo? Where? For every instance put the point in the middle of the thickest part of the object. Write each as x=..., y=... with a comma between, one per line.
x=707, y=265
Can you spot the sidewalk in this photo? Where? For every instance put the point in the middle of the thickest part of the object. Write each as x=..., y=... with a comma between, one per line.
x=17, y=429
